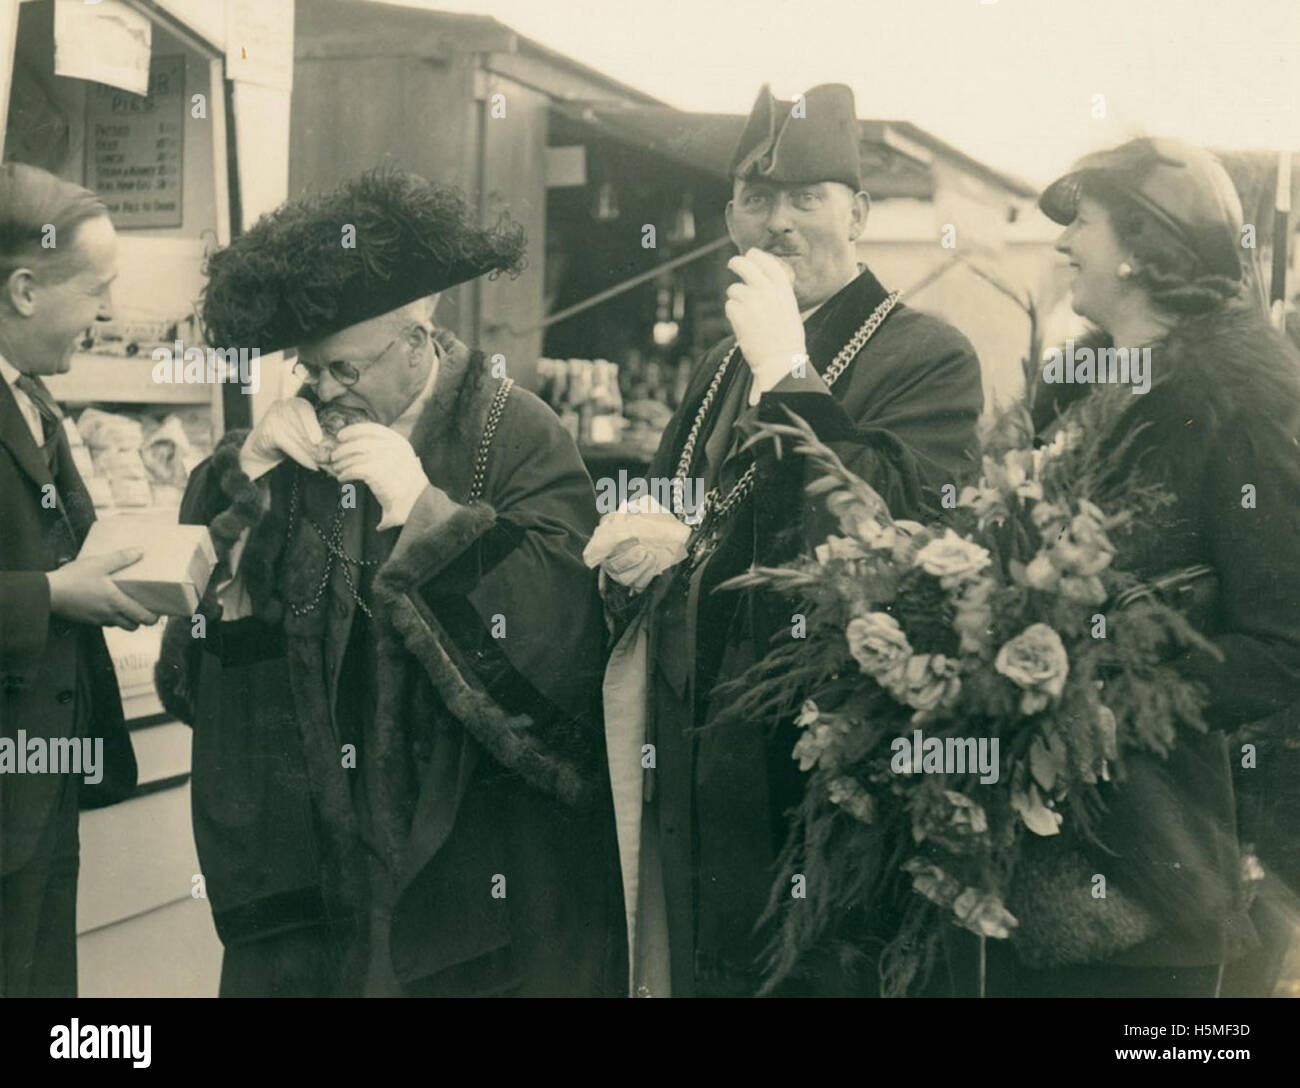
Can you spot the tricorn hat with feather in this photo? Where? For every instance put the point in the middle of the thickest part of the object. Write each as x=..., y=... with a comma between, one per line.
x=321, y=263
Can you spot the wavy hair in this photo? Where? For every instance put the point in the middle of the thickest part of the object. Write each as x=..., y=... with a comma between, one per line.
x=1169, y=272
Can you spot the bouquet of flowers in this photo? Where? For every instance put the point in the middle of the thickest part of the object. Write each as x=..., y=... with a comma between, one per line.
x=957, y=686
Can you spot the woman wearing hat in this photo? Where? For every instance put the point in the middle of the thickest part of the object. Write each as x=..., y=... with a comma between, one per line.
x=1153, y=233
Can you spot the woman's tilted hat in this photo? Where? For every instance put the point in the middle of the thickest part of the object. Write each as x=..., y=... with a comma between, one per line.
x=1182, y=186
x=816, y=142
x=321, y=263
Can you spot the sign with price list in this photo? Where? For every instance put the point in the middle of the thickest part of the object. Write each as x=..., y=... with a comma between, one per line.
x=135, y=145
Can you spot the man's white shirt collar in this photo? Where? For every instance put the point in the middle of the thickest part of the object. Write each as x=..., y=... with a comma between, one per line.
x=405, y=423
x=30, y=413
x=10, y=372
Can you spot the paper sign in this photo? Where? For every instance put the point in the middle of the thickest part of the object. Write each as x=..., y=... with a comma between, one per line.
x=105, y=42
x=259, y=42
x=134, y=148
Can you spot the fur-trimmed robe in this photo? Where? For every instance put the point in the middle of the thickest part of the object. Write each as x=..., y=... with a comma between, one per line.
x=476, y=823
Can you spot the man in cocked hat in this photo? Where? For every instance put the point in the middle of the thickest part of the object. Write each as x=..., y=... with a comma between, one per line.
x=896, y=393
x=399, y=783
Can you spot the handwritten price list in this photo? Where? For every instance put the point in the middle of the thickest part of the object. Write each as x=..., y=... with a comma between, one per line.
x=134, y=147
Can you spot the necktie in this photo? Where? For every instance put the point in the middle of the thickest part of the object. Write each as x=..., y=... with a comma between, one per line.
x=51, y=415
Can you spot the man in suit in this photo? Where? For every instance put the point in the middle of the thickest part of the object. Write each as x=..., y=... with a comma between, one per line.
x=58, y=255
x=896, y=394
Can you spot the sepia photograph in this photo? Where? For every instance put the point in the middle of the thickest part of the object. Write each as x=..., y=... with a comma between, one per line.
x=577, y=499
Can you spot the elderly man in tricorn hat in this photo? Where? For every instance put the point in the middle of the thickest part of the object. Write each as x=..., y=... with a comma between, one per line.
x=399, y=779
x=701, y=801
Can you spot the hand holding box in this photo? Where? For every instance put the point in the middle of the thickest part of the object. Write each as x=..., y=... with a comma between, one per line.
x=177, y=563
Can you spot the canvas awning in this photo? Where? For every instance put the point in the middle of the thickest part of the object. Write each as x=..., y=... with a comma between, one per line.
x=893, y=165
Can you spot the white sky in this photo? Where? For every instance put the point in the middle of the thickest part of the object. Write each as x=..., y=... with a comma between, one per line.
x=1010, y=82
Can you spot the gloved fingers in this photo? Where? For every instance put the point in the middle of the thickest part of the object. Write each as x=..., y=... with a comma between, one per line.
x=306, y=422
x=778, y=272
x=357, y=468
x=304, y=455
x=366, y=429
x=628, y=556
x=643, y=574
x=610, y=536
x=293, y=415
x=370, y=446
x=638, y=577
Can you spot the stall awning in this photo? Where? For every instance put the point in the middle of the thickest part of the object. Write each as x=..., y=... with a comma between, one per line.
x=891, y=165
x=897, y=156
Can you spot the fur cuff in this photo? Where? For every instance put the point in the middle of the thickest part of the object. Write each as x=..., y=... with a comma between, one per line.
x=431, y=539
x=421, y=553
x=250, y=508
x=175, y=673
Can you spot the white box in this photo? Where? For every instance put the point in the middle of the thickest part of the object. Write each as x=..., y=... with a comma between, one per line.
x=177, y=563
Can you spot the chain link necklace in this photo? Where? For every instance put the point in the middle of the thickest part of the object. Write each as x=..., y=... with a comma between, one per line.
x=708, y=532
x=332, y=538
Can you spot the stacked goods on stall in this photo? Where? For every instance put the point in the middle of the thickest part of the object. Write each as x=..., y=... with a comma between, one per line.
x=136, y=462
x=602, y=404
x=586, y=397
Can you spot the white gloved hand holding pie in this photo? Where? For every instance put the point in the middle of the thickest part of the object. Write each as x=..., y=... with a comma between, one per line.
x=288, y=429
x=386, y=463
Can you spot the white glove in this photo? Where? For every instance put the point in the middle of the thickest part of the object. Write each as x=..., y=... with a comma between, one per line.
x=765, y=318
x=634, y=546
x=385, y=462
x=289, y=428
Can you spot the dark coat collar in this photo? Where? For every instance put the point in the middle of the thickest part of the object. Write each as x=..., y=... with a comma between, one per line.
x=1221, y=367
x=460, y=386
x=72, y=499
x=840, y=316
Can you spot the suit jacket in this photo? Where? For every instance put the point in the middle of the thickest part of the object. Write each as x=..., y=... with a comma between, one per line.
x=44, y=658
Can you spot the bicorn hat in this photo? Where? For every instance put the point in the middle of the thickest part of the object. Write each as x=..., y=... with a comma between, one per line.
x=812, y=140
x=321, y=263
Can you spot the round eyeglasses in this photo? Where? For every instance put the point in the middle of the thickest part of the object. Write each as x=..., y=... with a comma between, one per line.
x=343, y=372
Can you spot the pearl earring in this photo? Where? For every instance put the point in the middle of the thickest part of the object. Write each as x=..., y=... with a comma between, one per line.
x=1125, y=270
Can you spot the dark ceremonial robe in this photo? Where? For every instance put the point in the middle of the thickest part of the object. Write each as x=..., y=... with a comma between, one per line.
x=478, y=759
x=56, y=680
x=903, y=417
